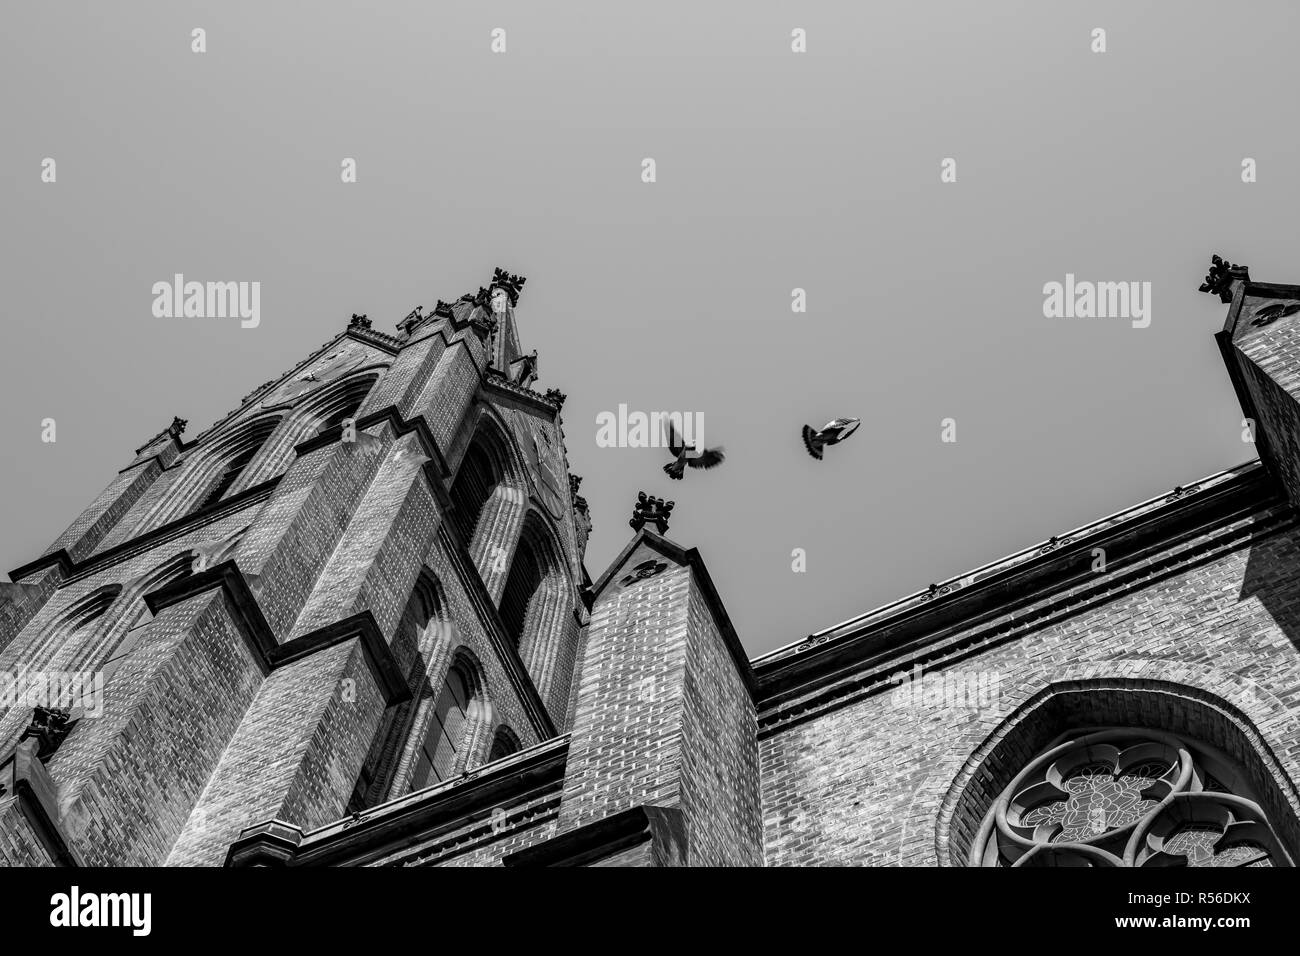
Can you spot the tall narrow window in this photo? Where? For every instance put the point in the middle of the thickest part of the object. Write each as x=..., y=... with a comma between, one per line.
x=474, y=484
x=447, y=734
x=522, y=583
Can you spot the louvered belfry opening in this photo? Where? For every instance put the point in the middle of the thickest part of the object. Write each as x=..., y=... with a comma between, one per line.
x=474, y=484
x=522, y=583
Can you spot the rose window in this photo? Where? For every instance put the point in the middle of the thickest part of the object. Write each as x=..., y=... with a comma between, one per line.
x=1122, y=797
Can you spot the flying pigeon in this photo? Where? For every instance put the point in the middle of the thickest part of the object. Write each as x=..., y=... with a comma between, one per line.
x=678, y=447
x=832, y=433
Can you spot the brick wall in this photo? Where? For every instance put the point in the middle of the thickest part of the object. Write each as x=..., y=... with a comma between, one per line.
x=662, y=717
x=863, y=781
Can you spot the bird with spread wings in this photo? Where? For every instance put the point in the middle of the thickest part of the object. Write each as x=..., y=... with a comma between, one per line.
x=678, y=448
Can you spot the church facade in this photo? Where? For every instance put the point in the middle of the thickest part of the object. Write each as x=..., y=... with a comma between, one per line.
x=350, y=624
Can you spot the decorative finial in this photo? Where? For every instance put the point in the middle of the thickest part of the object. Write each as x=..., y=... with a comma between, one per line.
x=512, y=284
x=482, y=298
x=1219, y=279
x=556, y=398
x=177, y=427
x=359, y=322
x=574, y=482
x=413, y=318
x=443, y=309
x=651, y=510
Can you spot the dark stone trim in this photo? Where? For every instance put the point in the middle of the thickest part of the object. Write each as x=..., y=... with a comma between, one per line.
x=1231, y=360
x=269, y=653
x=247, y=614
x=691, y=558
x=149, y=539
x=273, y=843
x=401, y=426
x=378, y=654
x=388, y=828
x=23, y=775
x=662, y=827
x=55, y=559
x=505, y=648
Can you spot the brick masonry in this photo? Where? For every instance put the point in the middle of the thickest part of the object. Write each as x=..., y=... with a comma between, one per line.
x=263, y=694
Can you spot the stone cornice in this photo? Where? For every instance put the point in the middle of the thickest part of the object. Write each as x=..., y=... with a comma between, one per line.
x=493, y=379
x=1191, y=529
x=662, y=827
x=388, y=828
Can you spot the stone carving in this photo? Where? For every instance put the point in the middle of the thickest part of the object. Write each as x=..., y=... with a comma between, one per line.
x=512, y=285
x=556, y=398
x=1219, y=279
x=1271, y=313
x=651, y=510
x=359, y=322
x=49, y=727
x=1132, y=798
x=646, y=569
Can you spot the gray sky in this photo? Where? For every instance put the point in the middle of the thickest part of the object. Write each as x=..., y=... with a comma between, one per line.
x=775, y=170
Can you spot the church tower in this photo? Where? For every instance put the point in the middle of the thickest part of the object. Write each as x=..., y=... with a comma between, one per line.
x=364, y=580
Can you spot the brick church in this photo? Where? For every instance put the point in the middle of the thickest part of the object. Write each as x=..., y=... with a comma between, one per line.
x=350, y=625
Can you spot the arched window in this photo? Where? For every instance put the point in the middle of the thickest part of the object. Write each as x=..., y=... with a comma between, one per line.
x=474, y=484
x=76, y=626
x=447, y=735
x=1122, y=796
x=422, y=633
x=522, y=584
x=503, y=744
x=245, y=451
x=345, y=404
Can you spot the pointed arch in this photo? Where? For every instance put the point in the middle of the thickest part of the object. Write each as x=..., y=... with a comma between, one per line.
x=131, y=616
x=453, y=719
x=74, y=626
x=315, y=413
x=209, y=472
x=489, y=495
x=536, y=603
x=504, y=743
x=1195, y=765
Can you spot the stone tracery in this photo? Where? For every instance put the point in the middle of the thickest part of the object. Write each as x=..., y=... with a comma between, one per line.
x=1128, y=797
